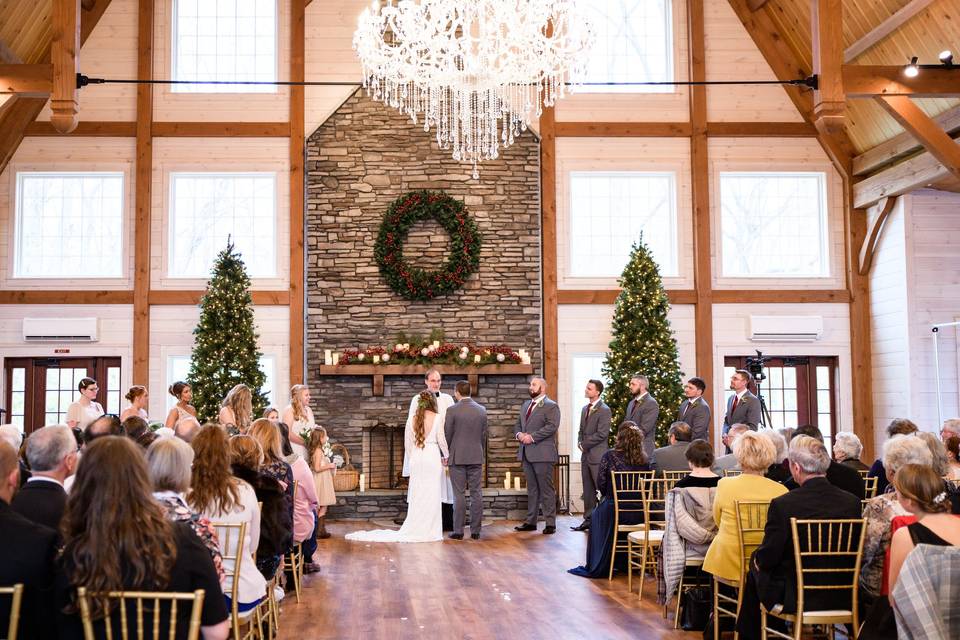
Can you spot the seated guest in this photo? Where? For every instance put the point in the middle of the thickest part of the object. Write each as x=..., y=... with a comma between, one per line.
x=267, y=435
x=772, y=576
x=26, y=557
x=729, y=461
x=106, y=425
x=950, y=429
x=953, y=455
x=139, y=431
x=52, y=454
x=627, y=455
x=221, y=497
x=168, y=464
x=941, y=466
x=673, y=456
x=754, y=454
x=787, y=433
x=778, y=471
x=700, y=460
x=117, y=538
x=897, y=427
x=847, y=449
x=838, y=475
x=305, y=502
x=12, y=435
x=276, y=519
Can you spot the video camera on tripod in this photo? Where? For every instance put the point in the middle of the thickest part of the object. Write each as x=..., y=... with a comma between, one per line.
x=754, y=366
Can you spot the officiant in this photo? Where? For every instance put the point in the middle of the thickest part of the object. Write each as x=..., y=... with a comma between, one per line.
x=432, y=379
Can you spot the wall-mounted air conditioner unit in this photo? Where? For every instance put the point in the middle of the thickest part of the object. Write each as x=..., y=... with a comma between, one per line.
x=786, y=328
x=60, y=330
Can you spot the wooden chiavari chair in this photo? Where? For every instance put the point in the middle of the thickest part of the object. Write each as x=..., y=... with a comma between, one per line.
x=231, y=537
x=294, y=559
x=869, y=487
x=731, y=473
x=16, y=594
x=146, y=607
x=648, y=539
x=751, y=520
x=676, y=476
x=627, y=498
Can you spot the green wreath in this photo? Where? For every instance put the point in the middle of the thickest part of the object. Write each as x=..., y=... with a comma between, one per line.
x=412, y=282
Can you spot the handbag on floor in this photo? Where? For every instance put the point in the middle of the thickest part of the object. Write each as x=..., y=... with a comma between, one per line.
x=696, y=608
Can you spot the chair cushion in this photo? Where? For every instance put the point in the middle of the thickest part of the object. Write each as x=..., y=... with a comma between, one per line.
x=653, y=535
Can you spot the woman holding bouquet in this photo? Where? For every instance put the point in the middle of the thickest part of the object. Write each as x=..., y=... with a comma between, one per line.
x=299, y=417
x=323, y=470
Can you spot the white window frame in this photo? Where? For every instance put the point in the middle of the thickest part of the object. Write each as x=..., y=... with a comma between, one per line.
x=194, y=89
x=170, y=401
x=577, y=401
x=826, y=257
x=171, y=224
x=16, y=242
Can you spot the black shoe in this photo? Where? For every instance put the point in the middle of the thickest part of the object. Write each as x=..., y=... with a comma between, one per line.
x=547, y=530
x=455, y=536
x=583, y=526
x=475, y=536
x=525, y=527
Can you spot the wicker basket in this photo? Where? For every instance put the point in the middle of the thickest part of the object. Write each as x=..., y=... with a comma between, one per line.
x=346, y=478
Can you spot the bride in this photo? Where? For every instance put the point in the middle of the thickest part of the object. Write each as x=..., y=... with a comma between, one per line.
x=428, y=448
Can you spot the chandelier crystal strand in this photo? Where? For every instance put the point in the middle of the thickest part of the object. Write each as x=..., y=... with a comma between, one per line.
x=477, y=71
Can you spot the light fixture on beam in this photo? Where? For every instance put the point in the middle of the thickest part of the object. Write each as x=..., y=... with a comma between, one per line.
x=946, y=57
x=912, y=69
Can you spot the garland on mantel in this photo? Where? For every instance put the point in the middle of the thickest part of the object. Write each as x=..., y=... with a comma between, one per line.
x=434, y=353
x=412, y=282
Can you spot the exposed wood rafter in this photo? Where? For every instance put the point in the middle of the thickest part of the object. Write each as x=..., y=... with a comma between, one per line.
x=885, y=28
x=30, y=80
x=868, y=81
x=919, y=124
x=877, y=216
x=901, y=145
x=918, y=172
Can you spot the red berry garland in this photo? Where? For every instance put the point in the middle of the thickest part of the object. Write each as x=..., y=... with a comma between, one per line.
x=412, y=282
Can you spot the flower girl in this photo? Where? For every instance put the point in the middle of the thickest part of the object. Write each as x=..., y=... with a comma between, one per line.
x=319, y=455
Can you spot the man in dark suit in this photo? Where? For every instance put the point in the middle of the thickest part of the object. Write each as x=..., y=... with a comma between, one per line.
x=26, y=556
x=694, y=410
x=643, y=410
x=536, y=431
x=772, y=579
x=52, y=454
x=465, y=428
x=592, y=442
x=838, y=474
x=673, y=457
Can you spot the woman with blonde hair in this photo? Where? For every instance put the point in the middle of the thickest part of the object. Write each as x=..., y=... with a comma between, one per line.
x=236, y=410
x=299, y=417
x=183, y=392
x=137, y=396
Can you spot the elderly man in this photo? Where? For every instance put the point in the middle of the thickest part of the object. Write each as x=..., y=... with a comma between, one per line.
x=772, y=577
x=837, y=474
x=673, y=457
x=847, y=450
x=52, y=454
x=12, y=435
x=950, y=429
x=729, y=461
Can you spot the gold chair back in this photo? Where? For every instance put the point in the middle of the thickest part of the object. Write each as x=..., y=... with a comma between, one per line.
x=751, y=521
x=869, y=487
x=676, y=476
x=231, y=536
x=16, y=594
x=730, y=473
x=295, y=557
x=146, y=606
x=627, y=488
x=655, y=492
x=863, y=473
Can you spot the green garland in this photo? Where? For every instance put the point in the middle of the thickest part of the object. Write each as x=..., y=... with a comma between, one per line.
x=412, y=282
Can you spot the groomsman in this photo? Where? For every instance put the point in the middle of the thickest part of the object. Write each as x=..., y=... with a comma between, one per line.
x=694, y=410
x=742, y=407
x=536, y=431
x=592, y=441
x=465, y=429
x=644, y=411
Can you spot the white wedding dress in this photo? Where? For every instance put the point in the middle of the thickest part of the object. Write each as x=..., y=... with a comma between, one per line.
x=424, y=521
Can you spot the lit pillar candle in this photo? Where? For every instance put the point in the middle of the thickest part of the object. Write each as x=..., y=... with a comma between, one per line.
x=516, y=483
x=327, y=356
x=476, y=358
x=436, y=344
x=363, y=483
x=506, y=482
x=376, y=359
x=509, y=476
x=336, y=358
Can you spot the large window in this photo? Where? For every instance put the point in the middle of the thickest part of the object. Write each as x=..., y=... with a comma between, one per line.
x=208, y=208
x=69, y=225
x=178, y=368
x=583, y=367
x=774, y=224
x=634, y=44
x=610, y=210
x=225, y=41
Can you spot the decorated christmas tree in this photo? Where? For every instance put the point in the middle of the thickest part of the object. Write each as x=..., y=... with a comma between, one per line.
x=643, y=343
x=225, y=351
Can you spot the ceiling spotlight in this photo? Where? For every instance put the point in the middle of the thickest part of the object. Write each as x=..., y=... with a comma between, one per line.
x=911, y=70
x=946, y=57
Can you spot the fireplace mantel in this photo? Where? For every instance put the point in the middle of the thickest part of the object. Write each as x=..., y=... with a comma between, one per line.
x=378, y=371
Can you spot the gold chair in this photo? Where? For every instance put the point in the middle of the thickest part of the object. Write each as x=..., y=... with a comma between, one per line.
x=682, y=587
x=676, y=476
x=842, y=542
x=869, y=487
x=295, y=558
x=649, y=538
x=142, y=602
x=731, y=473
x=863, y=473
x=751, y=520
x=627, y=498
x=231, y=536
x=16, y=594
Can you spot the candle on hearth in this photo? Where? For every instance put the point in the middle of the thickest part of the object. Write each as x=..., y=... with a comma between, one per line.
x=506, y=483
x=516, y=483
x=476, y=358
x=336, y=359
x=327, y=357
x=363, y=483
x=509, y=475
x=376, y=359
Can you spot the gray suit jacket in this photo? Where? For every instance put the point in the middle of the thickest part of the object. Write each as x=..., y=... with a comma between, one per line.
x=542, y=425
x=672, y=457
x=698, y=417
x=594, y=432
x=748, y=412
x=728, y=462
x=645, y=414
x=466, y=430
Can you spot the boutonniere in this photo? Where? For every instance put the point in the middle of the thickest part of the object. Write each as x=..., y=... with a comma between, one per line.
x=538, y=404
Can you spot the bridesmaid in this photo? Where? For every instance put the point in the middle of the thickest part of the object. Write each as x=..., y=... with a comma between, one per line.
x=137, y=396
x=236, y=410
x=86, y=409
x=183, y=409
x=299, y=417
x=323, y=471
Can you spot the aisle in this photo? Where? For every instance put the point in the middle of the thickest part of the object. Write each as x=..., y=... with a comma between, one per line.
x=507, y=585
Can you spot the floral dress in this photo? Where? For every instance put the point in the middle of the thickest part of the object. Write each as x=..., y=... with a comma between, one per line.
x=177, y=510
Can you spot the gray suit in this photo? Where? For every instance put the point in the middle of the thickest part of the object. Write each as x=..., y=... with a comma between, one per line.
x=594, y=432
x=747, y=412
x=645, y=414
x=672, y=457
x=465, y=428
x=697, y=416
x=539, y=458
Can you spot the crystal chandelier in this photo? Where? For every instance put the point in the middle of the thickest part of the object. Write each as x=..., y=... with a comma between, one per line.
x=475, y=70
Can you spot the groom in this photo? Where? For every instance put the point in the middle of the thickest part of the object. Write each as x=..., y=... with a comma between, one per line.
x=536, y=431
x=465, y=428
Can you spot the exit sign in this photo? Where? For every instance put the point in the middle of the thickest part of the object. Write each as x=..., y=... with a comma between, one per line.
x=61, y=350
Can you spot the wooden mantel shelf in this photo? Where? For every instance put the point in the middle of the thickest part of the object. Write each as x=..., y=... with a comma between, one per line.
x=378, y=371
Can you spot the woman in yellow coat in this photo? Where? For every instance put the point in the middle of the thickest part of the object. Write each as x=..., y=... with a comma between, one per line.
x=754, y=454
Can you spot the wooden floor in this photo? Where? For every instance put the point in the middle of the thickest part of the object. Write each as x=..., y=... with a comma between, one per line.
x=507, y=585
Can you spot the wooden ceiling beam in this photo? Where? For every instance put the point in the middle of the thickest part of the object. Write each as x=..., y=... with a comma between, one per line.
x=918, y=172
x=868, y=81
x=829, y=103
x=756, y=5
x=934, y=139
x=29, y=80
x=901, y=145
x=885, y=28
x=65, y=55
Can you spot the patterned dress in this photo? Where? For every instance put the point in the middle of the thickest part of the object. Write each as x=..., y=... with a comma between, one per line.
x=177, y=511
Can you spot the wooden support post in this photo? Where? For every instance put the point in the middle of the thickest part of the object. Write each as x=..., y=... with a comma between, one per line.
x=861, y=354
x=143, y=179
x=548, y=245
x=297, y=105
x=65, y=55
x=829, y=103
x=880, y=213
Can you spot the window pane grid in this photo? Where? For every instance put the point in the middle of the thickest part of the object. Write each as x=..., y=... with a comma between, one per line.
x=225, y=40
x=208, y=208
x=610, y=210
x=178, y=368
x=583, y=367
x=634, y=44
x=69, y=225
x=774, y=224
